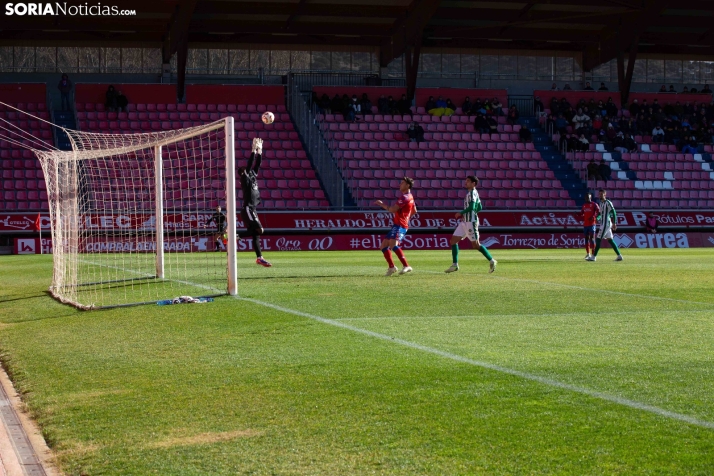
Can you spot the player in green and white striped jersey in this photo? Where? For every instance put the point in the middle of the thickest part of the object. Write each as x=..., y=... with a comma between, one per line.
x=469, y=226
x=608, y=224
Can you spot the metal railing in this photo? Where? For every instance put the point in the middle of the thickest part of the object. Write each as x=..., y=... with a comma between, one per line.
x=524, y=104
x=307, y=79
x=315, y=144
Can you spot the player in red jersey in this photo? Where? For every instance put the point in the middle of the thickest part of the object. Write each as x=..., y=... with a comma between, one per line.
x=403, y=211
x=589, y=213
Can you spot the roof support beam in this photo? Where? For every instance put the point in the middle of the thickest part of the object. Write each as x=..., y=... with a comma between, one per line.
x=411, y=65
x=407, y=30
x=177, y=32
x=624, y=78
x=622, y=36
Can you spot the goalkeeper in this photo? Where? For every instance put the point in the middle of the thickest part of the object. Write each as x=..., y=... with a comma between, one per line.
x=251, y=199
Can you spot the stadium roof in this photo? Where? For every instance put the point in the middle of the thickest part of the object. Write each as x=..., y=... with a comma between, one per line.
x=597, y=29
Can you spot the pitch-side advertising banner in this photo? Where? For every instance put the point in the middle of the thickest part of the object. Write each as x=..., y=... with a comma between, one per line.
x=367, y=241
x=358, y=221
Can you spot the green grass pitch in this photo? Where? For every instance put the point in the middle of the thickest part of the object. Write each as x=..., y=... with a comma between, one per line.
x=551, y=365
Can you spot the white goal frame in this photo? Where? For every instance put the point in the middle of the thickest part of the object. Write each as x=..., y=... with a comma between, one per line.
x=67, y=207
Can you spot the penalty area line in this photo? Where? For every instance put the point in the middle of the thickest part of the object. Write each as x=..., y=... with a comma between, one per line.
x=497, y=368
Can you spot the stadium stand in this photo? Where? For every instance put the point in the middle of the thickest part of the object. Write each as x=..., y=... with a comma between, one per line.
x=656, y=175
x=375, y=151
x=288, y=178
x=23, y=184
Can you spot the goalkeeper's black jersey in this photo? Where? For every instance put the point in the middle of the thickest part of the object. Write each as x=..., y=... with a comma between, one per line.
x=249, y=182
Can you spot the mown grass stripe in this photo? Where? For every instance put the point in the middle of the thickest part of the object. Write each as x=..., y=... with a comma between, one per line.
x=486, y=365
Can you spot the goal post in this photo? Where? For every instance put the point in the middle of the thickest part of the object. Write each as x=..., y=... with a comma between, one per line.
x=131, y=215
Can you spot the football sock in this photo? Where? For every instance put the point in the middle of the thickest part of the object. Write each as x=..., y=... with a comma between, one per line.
x=455, y=253
x=597, y=246
x=388, y=256
x=587, y=248
x=614, y=246
x=400, y=254
x=256, y=246
x=218, y=245
x=484, y=251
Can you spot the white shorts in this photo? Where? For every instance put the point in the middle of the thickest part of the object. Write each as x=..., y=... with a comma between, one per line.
x=468, y=229
x=604, y=233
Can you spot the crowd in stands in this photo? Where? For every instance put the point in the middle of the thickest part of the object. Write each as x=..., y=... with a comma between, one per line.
x=485, y=112
x=603, y=87
x=115, y=100
x=684, y=125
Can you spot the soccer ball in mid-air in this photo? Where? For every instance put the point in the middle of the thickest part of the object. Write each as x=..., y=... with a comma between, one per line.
x=268, y=117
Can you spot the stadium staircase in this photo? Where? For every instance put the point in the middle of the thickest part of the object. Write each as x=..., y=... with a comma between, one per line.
x=67, y=120
x=562, y=169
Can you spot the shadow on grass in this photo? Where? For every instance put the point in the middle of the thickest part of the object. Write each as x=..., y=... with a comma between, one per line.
x=2, y=299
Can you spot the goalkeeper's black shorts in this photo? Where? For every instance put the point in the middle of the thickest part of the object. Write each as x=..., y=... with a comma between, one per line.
x=251, y=220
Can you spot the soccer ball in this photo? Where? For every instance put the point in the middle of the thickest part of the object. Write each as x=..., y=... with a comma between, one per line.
x=268, y=117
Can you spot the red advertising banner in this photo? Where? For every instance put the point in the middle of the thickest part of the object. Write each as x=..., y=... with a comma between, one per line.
x=305, y=222
x=371, y=241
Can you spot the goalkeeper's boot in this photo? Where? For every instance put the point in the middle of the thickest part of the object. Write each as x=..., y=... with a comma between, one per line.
x=452, y=268
x=493, y=266
x=405, y=270
x=263, y=262
x=391, y=271
x=619, y=258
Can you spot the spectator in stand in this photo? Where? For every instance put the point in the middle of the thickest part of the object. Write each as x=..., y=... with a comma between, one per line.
x=497, y=107
x=597, y=124
x=690, y=145
x=383, y=105
x=492, y=125
x=630, y=144
x=618, y=143
x=603, y=87
x=352, y=109
x=567, y=87
x=662, y=89
x=588, y=87
x=404, y=106
x=652, y=223
x=415, y=132
x=671, y=89
x=110, y=99
x=706, y=89
x=430, y=105
x=604, y=170
x=593, y=170
x=481, y=124
x=554, y=87
x=524, y=134
x=658, y=134
x=611, y=108
x=610, y=132
x=538, y=105
x=325, y=104
x=466, y=106
x=584, y=143
x=450, y=107
x=581, y=121
x=634, y=108
x=693, y=90
x=392, y=105
x=365, y=105
x=441, y=108
x=561, y=125
x=65, y=88
x=122, y=102
x=336, y=104
x=513, y=115
x=478, y=107
x=685, y=90
x=316, y=101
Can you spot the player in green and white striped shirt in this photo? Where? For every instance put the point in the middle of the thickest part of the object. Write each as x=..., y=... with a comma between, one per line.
x=608, y=224
x=469, y=226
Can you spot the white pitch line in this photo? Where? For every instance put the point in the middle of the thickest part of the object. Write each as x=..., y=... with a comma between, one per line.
x=581, y=288
x=486, y=365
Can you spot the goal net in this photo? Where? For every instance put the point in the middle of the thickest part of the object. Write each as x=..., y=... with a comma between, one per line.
x=131, y=216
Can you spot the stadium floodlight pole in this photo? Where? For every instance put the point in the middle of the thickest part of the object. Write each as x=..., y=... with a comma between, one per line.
x=231, y=208
x=159, y=222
